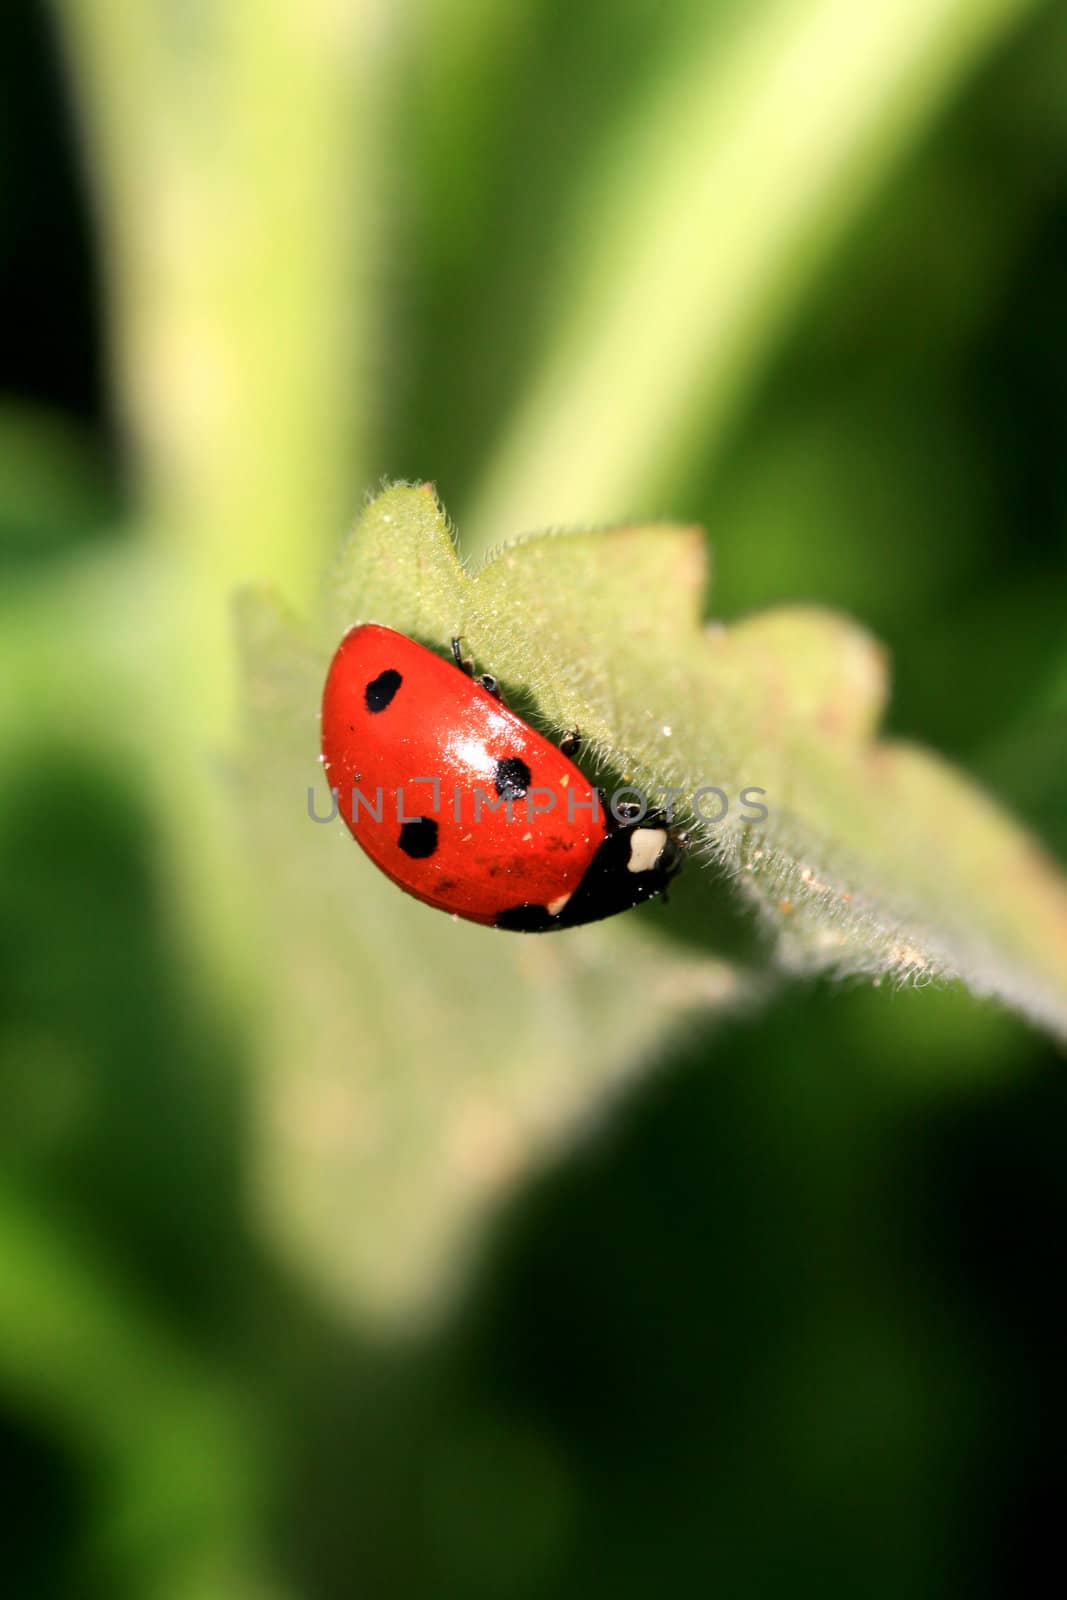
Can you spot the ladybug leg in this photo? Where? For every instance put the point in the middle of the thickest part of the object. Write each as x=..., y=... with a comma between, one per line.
x=571, y=742
x=464, y=663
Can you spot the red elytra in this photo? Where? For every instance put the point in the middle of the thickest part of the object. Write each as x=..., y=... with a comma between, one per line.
x=464, y=805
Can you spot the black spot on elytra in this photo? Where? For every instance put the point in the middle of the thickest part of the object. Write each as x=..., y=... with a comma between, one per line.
x=418, y=839
x=380, y=691
x=512, y=778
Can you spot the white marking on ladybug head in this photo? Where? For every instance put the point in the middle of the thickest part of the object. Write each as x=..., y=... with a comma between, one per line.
x=646, y=847
x=555, y=906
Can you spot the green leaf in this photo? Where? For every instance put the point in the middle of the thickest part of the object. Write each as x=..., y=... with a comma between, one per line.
x=428, y=1063
x=418, y=1066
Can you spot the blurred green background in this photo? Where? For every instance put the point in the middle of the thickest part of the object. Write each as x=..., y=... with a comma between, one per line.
x=789, y=1319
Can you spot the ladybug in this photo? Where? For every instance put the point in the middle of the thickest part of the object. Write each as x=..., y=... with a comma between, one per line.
x=467, y=807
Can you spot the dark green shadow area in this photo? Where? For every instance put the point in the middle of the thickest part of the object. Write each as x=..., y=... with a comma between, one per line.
x=127, y=1092
x=778, y=1327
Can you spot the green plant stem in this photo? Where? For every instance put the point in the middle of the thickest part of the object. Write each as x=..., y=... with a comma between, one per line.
x=702, y=231
x=239, y=255
x=232, y=155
